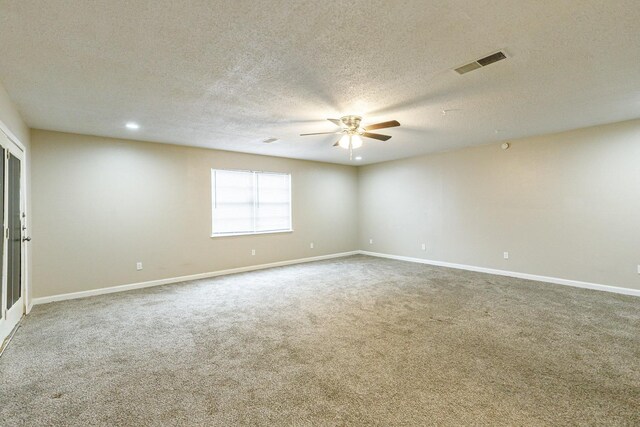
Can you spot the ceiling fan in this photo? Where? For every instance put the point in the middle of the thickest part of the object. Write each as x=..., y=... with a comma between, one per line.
x=352, y=133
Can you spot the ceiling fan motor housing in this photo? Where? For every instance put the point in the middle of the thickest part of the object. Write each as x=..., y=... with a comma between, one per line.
x=351, y=122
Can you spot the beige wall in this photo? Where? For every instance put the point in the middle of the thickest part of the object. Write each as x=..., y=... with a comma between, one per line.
x=11, y=118
x=565, y=205
x=103, y=204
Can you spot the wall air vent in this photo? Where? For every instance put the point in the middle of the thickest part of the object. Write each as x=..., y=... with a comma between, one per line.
x=482, y=62
x=270, y=140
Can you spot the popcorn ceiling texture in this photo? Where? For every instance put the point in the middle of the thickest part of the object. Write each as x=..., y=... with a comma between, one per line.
x=351, y=341
x=227, y=75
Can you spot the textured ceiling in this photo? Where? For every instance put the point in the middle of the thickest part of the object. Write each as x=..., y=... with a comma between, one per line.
x=229, y=74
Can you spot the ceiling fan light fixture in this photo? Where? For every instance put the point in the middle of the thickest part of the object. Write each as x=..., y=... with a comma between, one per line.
x=344, y=141
x=356, y=141
x=350, y=140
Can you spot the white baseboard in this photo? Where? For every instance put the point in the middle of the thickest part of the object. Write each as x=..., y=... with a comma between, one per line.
x=122, y=288
x=555, y=280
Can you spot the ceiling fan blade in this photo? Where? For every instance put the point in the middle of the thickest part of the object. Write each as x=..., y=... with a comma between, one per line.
x=376, y=136
x=390, y=124
x=319, y=133
x=337, y=122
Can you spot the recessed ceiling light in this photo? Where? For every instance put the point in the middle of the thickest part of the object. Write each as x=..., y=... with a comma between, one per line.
x=358, y=157
x=132, y=125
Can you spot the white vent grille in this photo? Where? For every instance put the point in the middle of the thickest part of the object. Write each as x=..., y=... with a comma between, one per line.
x=482, y=62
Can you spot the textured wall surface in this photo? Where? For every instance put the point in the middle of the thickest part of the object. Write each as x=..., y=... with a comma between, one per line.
x=565, y=205
x=104, y=204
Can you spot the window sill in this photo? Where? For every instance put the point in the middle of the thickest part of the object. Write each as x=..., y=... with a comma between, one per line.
x=250, y=234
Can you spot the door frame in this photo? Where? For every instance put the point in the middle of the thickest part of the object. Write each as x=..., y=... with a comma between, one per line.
x=16, y=148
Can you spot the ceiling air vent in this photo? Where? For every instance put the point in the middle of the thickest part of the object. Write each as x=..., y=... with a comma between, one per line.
x=270, y=140
x=482, y=62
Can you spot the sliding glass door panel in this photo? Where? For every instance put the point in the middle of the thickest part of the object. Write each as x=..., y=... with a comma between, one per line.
x=14, y=247
x=12, y=244
x=3, y=222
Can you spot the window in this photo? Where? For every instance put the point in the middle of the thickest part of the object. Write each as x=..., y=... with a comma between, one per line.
x=247, y=202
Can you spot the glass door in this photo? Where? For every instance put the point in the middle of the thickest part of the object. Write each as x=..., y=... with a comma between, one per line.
x=11, y=250
x=3, y=296
x=14, y=241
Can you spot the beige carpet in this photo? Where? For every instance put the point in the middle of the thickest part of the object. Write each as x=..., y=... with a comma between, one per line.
x=352, y=341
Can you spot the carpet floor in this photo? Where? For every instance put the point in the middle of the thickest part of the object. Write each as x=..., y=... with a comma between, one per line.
x=350, y=341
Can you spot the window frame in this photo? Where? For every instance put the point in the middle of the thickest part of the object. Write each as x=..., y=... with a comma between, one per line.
x=255, y=201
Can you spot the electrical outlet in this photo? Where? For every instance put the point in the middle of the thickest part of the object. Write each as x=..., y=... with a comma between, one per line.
x=506, y=255
x=253, y=251
x=424, y=246
x=311, y=245
x=371, y=241
x=638, y=268
x=138, y=266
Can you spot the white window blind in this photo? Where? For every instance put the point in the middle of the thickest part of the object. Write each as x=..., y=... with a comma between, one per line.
x=250, y=202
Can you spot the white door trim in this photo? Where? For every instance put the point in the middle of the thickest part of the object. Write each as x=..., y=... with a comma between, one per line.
x=12, y=137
